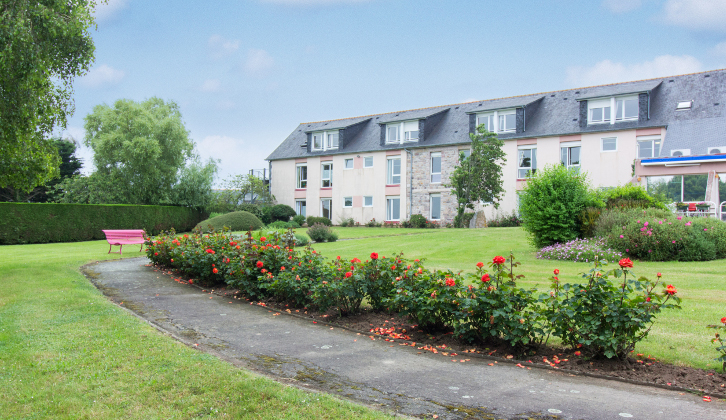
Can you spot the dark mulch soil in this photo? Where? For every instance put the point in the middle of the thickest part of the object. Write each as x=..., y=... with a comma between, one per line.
x=398, y=331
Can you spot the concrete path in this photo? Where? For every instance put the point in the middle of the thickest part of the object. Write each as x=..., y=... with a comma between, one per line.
x=378, y=373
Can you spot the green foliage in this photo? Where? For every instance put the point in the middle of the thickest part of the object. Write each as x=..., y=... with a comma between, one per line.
x=342, y=289
x=581, y=250
x=311, y=220
x=505, y=220
x=45, y=46
x=552, y=202
x=462, y=220
x=243, y=192
x=255, y=209
x=721, y=349
x=236, y=221
x=194, y=185
x=479, y=177
x=658, y=235
x=27, y=223
x=346, y=221
x=281, y=212
x=418, y=221
x=631, y=196
x=605, y=317
x=370, y=223
x=588, y=218
x=301, y=240
x=299, y=219
x=282, y=225
x=319, y=232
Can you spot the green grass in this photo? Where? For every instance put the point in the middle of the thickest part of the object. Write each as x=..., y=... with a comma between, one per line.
x=678, y=336
x=66, y=352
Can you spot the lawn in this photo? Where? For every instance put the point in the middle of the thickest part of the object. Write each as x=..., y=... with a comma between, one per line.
x=66, y=352
x=678, y=336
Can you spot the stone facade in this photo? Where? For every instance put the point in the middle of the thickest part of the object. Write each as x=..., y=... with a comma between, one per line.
x=423, y=187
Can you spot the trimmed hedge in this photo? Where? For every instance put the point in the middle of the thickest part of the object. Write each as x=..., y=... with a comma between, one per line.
x=33, y=223
x=237, y=220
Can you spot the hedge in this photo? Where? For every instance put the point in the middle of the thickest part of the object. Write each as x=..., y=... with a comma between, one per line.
x=27, y=223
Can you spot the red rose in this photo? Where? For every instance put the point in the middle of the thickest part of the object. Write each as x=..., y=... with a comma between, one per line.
x=214, y=270
x=374, y=255
x=348, y=274
x=172, y=260
x=355, y=260
x=485, y=278
x=393, y=267
x=557, y=271
x=577, y=353
x=670, y=289
x=260, y=264
x=450, y=282
x=625, y=263
x=480, y=264
x=498, y=260
x=156, y=253
x=263, y=239
x=263, y=271
x=433, y=295
x=282, y=268
x=723, y=320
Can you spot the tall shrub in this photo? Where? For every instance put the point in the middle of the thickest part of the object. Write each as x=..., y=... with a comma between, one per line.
x=552, y=202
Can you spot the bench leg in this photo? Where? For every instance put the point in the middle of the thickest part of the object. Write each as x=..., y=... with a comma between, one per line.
x=120, y=249
x=109, y=248
x=142, y=248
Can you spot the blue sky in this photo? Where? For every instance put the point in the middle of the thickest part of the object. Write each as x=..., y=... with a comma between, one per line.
x=246, y=73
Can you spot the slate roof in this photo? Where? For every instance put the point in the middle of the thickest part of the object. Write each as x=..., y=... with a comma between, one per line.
x=551, y=114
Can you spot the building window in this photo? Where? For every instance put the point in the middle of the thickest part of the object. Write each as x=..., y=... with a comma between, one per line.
x=325, y=205
x=648, y=146
x=570, y=154
x=435, y=206
x=327, y=175
x=301, y=207
x=394, y=171
x=347, y=201
x=609, y=144
x=600, y=111
x=683, y=188
x=503, y=121
x=393, y=208
x=368, y=201
x=325, y=140
x=402, y=132
x=684, y=105
x=527, y=161
x=436, y=167
x=302, y=176
x=349, y=164
x=368, y=162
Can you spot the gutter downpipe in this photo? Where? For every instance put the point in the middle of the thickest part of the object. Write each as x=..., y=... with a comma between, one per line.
x=410, y=183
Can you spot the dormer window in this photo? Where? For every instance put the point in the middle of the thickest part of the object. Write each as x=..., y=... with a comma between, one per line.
x=402, y=132
x=600, y=111
x=500, y=121
x=325, y=140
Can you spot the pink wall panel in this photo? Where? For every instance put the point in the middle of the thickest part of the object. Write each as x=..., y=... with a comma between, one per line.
x=357, y=201
x=301, y=193
x=393, y=190
x=326, y=193
x=576, y=137
x=647, y=132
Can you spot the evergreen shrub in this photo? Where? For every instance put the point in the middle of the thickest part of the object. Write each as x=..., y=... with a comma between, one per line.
x=236, y=221
x=281, y=212
x=311, y=220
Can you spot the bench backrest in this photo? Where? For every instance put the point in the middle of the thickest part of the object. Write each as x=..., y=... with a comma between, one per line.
x=121, y=234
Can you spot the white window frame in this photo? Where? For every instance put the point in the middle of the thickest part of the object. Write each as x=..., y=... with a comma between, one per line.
x=330, y=207
x=301, y=207
x=344, y=202
x=602, y=144
x=431, y=168
x=300, y=183
x=404, y=132
x=532, y=162
x=498, y=120
x=569, y=146
x=365, y=198
x=322, y=176
x=431, y=206
x=653, y=140
x=389, y=209
x=345, y=164
x=390, y=167
x=329, y=140
x=611, y=104
x=623, y=99
x=684, y=105
x=365, y=161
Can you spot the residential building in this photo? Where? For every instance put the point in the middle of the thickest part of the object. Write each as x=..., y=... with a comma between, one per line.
x=660, y=133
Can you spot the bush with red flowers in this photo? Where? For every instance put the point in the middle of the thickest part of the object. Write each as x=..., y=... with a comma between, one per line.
x=721, y=349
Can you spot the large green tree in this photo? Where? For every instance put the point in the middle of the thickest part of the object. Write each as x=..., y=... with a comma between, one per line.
x=238, y=190
x=44, y=45
x=479, y=176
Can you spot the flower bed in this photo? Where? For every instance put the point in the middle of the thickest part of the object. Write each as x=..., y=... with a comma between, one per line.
x=477, y=307
x=581, y=250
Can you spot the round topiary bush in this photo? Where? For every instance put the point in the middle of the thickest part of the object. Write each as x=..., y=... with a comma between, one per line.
x=238, y=220
x=418, y=221
x=281, y=212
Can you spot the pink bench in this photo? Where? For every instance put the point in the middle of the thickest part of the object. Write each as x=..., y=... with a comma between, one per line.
x=124, y=237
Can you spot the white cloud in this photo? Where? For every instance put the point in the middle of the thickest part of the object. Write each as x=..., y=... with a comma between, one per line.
x=258, y=62
x=719, y=49
x=108, y=10
x=607, y=71
x=102, y=75
x=210, y=85
x=700, y=15
x=621, y=6
x=313, y=2
x=220, y=46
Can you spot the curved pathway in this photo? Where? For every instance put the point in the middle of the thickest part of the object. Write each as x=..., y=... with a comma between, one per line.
x=374, y=372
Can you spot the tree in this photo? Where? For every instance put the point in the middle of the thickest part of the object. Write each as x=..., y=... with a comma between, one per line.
x=70, y=166
x=45, y=44
x=194, y=188
x=479, y=176
x=240, y=189
x=142, y=146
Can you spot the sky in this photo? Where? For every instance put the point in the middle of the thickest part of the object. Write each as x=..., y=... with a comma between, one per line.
x=245, y=73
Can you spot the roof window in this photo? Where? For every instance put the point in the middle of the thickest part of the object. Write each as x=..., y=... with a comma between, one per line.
x=684, y=105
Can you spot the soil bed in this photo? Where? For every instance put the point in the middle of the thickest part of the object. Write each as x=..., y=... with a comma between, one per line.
x=640, y=368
